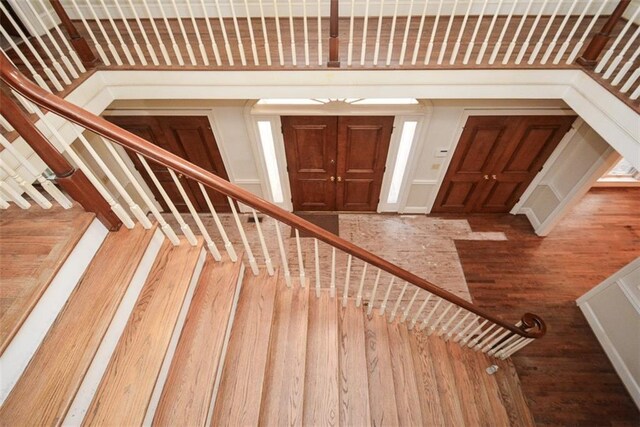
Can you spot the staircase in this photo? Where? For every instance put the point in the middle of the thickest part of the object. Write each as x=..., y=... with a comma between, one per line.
x=160, y=334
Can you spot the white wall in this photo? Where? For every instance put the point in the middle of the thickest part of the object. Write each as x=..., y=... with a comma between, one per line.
x=613, y=311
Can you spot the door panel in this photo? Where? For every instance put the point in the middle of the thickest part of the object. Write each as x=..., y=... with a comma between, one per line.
x=501, y=165
x=310, y=146
x=189, y=137
x=363, y=144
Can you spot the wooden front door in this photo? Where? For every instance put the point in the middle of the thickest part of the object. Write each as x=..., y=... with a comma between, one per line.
x=336, y=163
x=496, y=159
x=189, y=137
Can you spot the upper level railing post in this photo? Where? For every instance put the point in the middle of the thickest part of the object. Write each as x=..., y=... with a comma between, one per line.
x=334, y=38
x=591, y=54
x=73, y=181
x=79, y=43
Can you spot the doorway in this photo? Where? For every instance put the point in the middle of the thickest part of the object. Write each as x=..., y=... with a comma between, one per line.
x=189, y=137
x=336, y=163
x=496, y=159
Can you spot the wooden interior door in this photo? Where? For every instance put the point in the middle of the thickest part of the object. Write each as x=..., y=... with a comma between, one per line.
x=189, y=137
x=363, y=144
x=496, y=159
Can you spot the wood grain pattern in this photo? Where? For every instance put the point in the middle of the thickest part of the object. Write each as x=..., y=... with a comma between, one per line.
x=382, y=400
x=426, y=380
x=35, y=244
x=446, y=383
x=409, y=413
x=187, y=394
x=354, y=383
x=283, y=391
x=127, y=384
x=468, y=398
x=240, y=393
x=512, y=396
x=322, y=392
x=491, y=407
x=69, y=346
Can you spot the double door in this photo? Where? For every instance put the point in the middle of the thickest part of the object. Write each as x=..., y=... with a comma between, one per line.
x=496, y=159
x=336, y=163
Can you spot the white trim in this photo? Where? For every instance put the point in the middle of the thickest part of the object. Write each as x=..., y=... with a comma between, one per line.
x=531, y=216
x=24, y=344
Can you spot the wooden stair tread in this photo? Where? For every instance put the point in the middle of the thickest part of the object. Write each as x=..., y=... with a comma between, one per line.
x=240, y=393
x=354, y=382
x=467, y=396
x=511, y=392
x=283, y=392
x=407, y=400
x=187, y=394
x=426, y=380
x=35, y=244
x=46, y=389
x=322, y=393
x=126, y=387
x=449, y=402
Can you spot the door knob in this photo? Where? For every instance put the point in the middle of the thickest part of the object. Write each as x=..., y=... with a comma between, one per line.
x=486, y=177
x=332, y=161
x=333, y=178
x=493, y=177
x=339, y=178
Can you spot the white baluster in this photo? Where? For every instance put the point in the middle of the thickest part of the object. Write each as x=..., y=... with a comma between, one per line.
x=154, y=27
x=292, y=34
x=487, y=37
x=243, y=237
x=488, y=339
x=361, y=287
x=4, y=204
x=223, y=234
x=445, y=327
x=278, y=32
x=393, y=31
x=394, y=311
x=227, y=45
x=94, y=39
x=403, y=49
x=383, y=306
x=556, y=37
x=187, y=43
x=54, y=41
x=372, y=297
x=317, y=259
x=6, y=125
x=53, y=22
x=305, y=31
x=378, y=32
x=416, y=47
x=115, y=206
x=472, y=42
x=37, y=77
x=478, y=338
x=203, y=51
x=363, y=49
x=320, y=33
x=435, y=324
x=254, y=48
x=458, y=325
x=585, y=34
x=565, y=44
x=630, y=82
x=243, y=59
x=166, y=229
x=54, y=80
x=332, y=288
x=626, y=67
x=536, y=48
x=23, y=101
x=174, y=44
x=265, y=34
x=132, y=36
x=514, y=343
x=263, y=244
x=427, y=319
x=503, y=32
x=283, y=255
x=110, y=45
x=443, y=48
x=6, y=190
x=214, y=45
x=300, y=259
x=518, y=347
x=347, y=277
x=496, y=340
x=456, y=46
x=116, y=30
x=434, y=30
x=616, y=61
x=505, y=343
x=26, y=186
x=405, y=314
x=184, y=227
x=523, y=19
x=605, y=59
x=143, y=31
x=464, y=336
x=635, y=93
x=416, y=316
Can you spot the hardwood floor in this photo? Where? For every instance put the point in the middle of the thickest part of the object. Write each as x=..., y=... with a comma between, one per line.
x=566, y=376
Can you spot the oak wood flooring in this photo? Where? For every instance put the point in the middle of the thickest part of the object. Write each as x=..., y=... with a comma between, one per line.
x=566, y=377
x=69, y=346
x=34, y=244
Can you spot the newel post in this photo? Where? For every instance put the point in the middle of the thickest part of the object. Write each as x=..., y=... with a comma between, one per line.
x=79, y=43
x=334, y=37
x=73, y=181
x=591, y=54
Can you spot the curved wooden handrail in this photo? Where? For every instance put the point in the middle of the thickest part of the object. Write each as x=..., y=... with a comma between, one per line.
x=13, y=78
